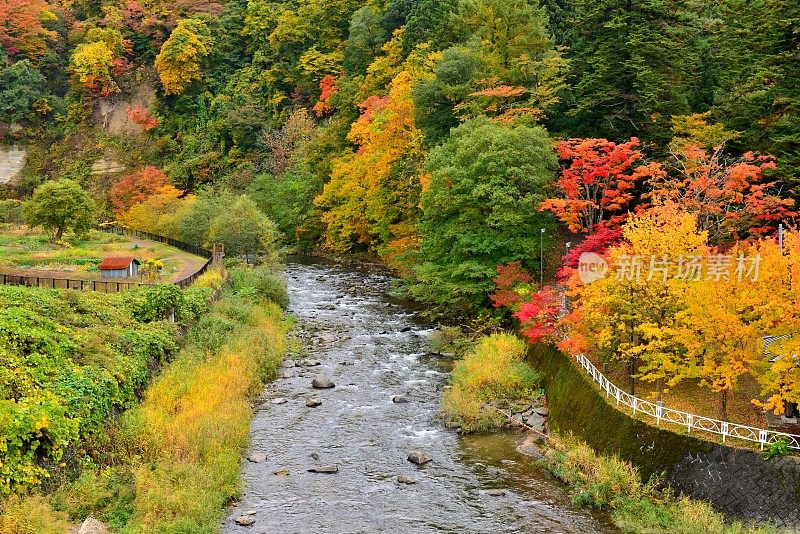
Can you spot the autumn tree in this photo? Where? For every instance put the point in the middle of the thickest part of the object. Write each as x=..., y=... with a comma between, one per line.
x=22, y=28
x=728, y=311
x=156, y=214
x=179, y=62
x=58, y=206
x=373, y=190
x=597, y=183
x=730, y=196
x=136, y=187
x=630, y=314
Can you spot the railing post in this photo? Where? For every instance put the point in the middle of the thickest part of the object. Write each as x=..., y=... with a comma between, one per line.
x=724, y=430
x=690, y=419
x=762, y=438
x=634, y=405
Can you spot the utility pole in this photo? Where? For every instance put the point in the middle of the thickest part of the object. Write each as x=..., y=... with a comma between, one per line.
x=541, y=258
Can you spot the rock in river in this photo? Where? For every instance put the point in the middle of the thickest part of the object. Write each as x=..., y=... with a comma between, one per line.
x=245, y=520
x=257, y=457
x=313, y=402
x=403, y=479
x=280, y=400
x=399, y=399
x=327, y=469
x=418, y=457
x=322, y=382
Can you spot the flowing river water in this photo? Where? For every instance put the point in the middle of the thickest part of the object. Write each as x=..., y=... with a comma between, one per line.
x=372, y=348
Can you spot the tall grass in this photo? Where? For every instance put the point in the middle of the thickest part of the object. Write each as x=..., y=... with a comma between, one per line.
x=492, y=376
x=636, y=507
x=192, y=427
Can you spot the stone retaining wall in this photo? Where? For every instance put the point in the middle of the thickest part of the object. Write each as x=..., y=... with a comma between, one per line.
x=738, y=482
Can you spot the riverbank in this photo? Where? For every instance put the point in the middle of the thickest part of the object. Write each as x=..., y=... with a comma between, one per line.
x=172, y=462
x=489, y=378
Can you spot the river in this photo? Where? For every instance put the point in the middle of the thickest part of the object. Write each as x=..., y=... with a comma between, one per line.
x=372, y=348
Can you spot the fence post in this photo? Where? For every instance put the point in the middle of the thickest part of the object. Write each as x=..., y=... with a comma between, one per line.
x=634, y=405
x=724, y=430
x=762, y=438
x=690, y=419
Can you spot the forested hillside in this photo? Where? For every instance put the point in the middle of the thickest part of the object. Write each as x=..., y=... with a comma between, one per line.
x=366, y=126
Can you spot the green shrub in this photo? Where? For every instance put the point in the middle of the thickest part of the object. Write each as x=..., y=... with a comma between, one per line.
x=157, y=301
x=492, y=376
x=68, y=361
x=211, y=332
x=11, y=211
x=636, y=507
x=259, y=283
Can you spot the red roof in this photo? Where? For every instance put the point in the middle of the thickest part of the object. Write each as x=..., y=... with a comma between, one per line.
x=116, y=263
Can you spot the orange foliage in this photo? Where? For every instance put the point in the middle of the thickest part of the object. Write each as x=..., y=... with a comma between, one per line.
x=137, y=187
x=21, y=30
x=142, y=117
x=728, y=196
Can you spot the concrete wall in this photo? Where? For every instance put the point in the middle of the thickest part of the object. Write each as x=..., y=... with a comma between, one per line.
x=737, y=482
x=12, y=160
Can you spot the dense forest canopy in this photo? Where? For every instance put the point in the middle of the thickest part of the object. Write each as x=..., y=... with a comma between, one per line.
x=343, y=119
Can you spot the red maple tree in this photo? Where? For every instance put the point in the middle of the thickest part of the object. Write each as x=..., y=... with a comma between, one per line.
x=136, y=187
x=596, y=184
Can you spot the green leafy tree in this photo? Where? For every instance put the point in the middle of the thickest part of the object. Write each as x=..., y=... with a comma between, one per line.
x=244, y=230
x=757, y=46
x=21, y=86
x=364, y=42
x=60, y=205
x=480, y=210
x=431, y=21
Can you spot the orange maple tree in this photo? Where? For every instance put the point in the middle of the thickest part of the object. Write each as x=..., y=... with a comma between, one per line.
x=597, y=183
x=21, y=29
x=142, y=117
x=729, y=196
x=136, y=187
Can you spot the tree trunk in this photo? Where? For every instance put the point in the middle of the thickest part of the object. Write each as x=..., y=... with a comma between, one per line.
x=722, y=407
x=59, y=233
x=659, y=388
x=631, y=379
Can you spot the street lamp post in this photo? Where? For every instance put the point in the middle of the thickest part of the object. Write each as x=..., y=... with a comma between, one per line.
x=541, y=258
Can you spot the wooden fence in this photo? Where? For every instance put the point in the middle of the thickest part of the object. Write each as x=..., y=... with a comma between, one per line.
x=112, y=286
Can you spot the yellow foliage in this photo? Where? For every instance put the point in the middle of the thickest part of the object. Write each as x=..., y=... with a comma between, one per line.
x=178, y=62
x=193, y=424
x=365, y=196
x=30, y=515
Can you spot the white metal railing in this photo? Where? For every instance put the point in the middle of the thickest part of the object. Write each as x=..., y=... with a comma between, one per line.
x=689, y=421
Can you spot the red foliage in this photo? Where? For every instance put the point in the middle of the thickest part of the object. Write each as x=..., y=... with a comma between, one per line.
x=327, y=87
x=728, y=196
x=510, y=278
x=596, y=184
x=142, y=117
x=598, y=242
x=539, y=316
x=137, y=187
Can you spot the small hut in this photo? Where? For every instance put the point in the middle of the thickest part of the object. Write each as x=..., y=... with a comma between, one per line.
x=119, y=267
